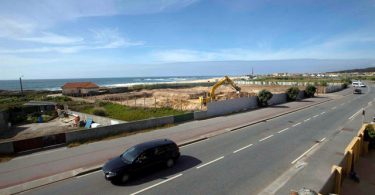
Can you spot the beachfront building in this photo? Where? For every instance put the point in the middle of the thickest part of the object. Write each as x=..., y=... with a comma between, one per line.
x=80, y=88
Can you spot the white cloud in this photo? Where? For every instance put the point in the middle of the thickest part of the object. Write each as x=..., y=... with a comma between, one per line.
x=51, y=38
x=99, y=39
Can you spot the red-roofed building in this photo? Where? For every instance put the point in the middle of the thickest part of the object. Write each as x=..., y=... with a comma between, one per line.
x=80, y=88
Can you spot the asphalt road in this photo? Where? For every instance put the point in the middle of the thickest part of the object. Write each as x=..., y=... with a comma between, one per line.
x=240, y=162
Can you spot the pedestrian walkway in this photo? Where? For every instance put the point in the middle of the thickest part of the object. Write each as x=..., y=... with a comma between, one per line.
x=365, y=170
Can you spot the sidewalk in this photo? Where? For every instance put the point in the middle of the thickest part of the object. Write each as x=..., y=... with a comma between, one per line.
x=41, y=165
x=365, y=170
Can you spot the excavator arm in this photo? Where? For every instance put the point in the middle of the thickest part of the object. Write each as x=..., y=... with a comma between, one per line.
x=211, y=95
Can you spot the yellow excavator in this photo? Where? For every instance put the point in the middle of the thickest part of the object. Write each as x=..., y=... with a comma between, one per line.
x=211, y=95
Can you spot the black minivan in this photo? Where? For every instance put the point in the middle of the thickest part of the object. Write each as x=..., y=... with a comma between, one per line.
x=141, y=157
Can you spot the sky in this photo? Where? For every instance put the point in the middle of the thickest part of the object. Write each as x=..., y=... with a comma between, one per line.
x=125, y=38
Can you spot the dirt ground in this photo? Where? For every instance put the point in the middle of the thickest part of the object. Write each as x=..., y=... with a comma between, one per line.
x=182, y=99
x=54, y=126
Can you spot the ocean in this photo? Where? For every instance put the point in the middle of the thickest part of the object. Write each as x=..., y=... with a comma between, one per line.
x=55, y=84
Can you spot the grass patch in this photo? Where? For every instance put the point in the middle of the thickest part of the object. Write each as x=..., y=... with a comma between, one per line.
x=115, y=136
x=126, y=113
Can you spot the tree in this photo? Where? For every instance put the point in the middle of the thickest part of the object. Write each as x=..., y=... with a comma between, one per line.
x=292, y=93
x=310, y=90
x=263, y=97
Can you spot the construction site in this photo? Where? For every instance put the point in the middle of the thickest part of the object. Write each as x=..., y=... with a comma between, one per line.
x=188, y=99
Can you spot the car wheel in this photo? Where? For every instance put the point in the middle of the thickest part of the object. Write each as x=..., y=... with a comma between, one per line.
x=125, y=177
x=170, y=163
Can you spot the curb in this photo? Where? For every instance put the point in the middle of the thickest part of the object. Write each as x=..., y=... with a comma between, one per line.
x=83, y=171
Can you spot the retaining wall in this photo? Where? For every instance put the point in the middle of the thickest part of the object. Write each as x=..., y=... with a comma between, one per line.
x=199, y=115
x=104, y=121
x=229, y=106
x=278, y=99
x=3, y=120
x=115, y=129
x=333, y=88
x=6, y=148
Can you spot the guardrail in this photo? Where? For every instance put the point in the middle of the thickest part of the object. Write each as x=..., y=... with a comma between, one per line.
x=353, y=151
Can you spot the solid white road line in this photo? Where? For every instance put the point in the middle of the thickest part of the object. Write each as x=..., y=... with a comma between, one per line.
x=315, y=116
x=88, y=174
x=242, y=148
x=198, y=167
x=355, y=114
x=305, y=153
x=283, y=130
x=174, y=177
x=307, y=119
x=295, y=125
x=265, y=138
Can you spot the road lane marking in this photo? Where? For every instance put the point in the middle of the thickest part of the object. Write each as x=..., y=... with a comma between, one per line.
x=322, y=139
x=334, y=108
x=198, y=167
x=305, y=153
x=342, y=104
x=144, y=189
x=316, y=116
x=283, y=130
x=295, y=125
x=88, y=174
x=323, y=113
x=307, y=119
x=355, y=114
x=242, y=148
x=265, y=138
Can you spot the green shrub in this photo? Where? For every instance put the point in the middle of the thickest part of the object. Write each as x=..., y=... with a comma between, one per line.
x=263, y=97
x=310, y=90
x=370, y=130
x=99, y=112
x=323, y=83
x=292, y=93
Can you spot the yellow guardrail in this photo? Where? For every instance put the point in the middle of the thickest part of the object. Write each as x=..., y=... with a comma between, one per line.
x=352, y=153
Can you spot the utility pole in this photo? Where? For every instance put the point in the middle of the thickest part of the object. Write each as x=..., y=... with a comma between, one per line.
x=21, y=85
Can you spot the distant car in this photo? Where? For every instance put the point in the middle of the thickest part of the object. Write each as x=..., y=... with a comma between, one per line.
x=140, y=158
x=357, y=91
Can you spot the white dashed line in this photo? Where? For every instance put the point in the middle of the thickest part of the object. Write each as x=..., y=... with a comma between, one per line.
x=307, y=119
x=342, y=104
x=283, y=130
x=305, y=153
x=265, y=138
x=242, y=148
x=323, y=113
x=295, y=125
x=322, y=139
x=315, y=116
x=334, y=108
x=198, y=167
x=174, y=177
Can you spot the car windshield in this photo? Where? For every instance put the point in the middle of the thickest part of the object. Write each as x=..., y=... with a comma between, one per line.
x=130, y=154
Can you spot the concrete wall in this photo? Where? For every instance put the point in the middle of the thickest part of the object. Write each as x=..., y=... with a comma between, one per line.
x=115, y=129
x=229, y=106
x=104, y=121
x=278, y=99
x=3, y=120
x=199, y=115
x=6, y=148
x=333, y=88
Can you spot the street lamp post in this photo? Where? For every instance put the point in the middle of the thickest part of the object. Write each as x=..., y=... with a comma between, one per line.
x=21, y=85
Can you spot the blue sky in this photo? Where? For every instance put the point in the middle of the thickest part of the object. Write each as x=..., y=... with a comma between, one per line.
x=114, y=38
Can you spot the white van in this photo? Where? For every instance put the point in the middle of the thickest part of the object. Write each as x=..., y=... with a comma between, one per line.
x=355, y=84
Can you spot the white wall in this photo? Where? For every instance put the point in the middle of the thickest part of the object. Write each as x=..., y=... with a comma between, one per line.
x=231, y=105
